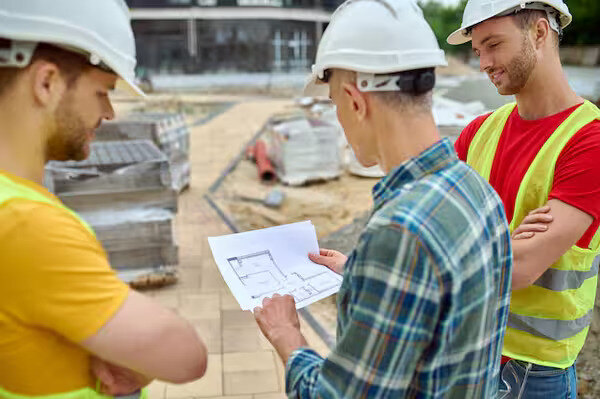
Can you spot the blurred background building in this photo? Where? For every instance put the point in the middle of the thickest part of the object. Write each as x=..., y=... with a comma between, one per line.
x=200, y=36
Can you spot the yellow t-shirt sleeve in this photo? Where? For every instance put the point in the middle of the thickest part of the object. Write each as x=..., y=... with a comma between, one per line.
x=56, y=274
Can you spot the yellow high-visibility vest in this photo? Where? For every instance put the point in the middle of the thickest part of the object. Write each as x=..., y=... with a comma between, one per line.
x=549, y=320
x=12, y=190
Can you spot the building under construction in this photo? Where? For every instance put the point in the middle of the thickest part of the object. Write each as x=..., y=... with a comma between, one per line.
x=198, y=36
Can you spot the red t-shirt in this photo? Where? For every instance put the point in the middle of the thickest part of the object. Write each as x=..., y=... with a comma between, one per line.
x=577, y=172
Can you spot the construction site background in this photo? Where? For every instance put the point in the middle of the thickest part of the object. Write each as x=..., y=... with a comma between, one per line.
x=226, y=114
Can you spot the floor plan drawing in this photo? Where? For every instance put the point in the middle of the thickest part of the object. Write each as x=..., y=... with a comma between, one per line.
x=262, y=277
x=257, y=264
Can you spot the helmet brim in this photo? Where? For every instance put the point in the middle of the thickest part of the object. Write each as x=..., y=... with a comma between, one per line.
x=458, y=36
x=313, y=88
x=130, y=87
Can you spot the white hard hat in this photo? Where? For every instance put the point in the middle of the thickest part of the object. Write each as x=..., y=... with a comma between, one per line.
x=100, y=29
x=477, y=11
x=375, y=37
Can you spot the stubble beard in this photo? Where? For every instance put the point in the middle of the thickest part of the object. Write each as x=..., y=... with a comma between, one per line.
x=519, y=69
x=68, y=141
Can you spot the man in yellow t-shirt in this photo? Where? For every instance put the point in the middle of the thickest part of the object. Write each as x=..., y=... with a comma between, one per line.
x=66, y=320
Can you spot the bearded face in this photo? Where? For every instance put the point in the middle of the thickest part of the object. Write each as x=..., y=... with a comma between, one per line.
x=70, y=140
x=516, y=71
x=506, y=53
x=79, y=113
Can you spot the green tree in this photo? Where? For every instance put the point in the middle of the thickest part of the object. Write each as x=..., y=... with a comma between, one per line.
x=585, y=28
x=444, y=20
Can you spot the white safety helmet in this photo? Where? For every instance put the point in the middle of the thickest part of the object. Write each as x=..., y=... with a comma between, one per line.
x=477, y=11
x=374, y=37
x=99, y=29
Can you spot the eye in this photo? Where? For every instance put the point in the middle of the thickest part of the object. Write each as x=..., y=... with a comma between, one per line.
x=493, y=45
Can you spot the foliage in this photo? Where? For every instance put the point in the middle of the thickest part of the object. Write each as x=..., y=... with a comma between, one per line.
x=584, y=30
x=444, y=20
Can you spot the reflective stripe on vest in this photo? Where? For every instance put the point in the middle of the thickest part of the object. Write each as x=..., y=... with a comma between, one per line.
x=85, y=393
x=10, y=189
x=549, y=320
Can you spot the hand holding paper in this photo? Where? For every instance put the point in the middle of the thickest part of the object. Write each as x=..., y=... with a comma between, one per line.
x=258, y=264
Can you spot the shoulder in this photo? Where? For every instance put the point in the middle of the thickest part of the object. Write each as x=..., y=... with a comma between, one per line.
x=455, y=202
x=464, y=140
x=588, y=133
x=40, y=218
x=585, y=141
x=32, y=232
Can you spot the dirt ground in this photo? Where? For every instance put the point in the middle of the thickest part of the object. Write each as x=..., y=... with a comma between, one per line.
x=326, y=204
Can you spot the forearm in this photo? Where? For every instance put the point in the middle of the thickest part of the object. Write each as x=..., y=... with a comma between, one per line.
x=530, y=260
x=151, y=340
x=287, y=341
x=533, y=256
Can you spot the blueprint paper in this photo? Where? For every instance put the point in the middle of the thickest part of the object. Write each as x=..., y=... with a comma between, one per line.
x=260, y=263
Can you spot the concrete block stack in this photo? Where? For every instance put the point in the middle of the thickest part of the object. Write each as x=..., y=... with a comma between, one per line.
x=167, y=130
x=305, y=150
x=125, y=192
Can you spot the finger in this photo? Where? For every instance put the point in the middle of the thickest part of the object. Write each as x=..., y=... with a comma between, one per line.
x=108, y=389
x=522, y=236
x=102, y=372
x=325, y=252
x=538, y=218
x=266, y=301
x=531, y=227
x=257, y=312
x=542, y=209
x=289, y=297
x=323, y=260
x=276, y=296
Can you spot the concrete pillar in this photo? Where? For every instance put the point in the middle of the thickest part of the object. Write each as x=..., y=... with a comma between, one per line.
x=192, y=37
x=318, y=32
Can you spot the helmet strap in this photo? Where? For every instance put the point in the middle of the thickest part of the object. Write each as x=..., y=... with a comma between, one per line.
x=415, y=82
x=15, y=53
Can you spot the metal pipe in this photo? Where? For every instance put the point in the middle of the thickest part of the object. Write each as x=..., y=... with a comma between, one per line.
x=266, y=171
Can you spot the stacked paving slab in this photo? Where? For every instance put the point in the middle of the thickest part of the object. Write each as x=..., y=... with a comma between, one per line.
x=127, y=191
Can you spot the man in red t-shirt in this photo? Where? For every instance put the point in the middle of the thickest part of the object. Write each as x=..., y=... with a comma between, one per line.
x=517, y=45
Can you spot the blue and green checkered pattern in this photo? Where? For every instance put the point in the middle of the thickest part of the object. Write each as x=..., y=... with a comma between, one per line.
x=424, y=301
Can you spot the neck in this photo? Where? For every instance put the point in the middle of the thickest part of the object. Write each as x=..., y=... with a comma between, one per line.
x=22, y=147
x=547, y=91
x=402, y=136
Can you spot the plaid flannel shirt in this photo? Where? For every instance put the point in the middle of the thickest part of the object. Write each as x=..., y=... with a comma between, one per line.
x=424, y=301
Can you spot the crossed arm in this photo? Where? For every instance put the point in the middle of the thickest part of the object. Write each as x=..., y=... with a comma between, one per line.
x=143, y=341
x=538, y=242
x=543, y=237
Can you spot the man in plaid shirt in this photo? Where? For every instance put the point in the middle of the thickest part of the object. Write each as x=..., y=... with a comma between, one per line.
x=424, y=300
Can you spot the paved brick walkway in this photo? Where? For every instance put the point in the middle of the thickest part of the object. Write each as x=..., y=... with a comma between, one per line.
x=242, y=364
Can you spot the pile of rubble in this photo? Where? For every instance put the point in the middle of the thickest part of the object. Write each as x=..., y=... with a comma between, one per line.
x=127, y=191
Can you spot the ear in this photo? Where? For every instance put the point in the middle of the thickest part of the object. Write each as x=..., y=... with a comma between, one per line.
x=48, y=85
x=357, y=100
x=540, y=32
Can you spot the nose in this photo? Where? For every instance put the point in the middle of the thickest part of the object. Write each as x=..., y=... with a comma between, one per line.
x=485, y=62
x=109, y=112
